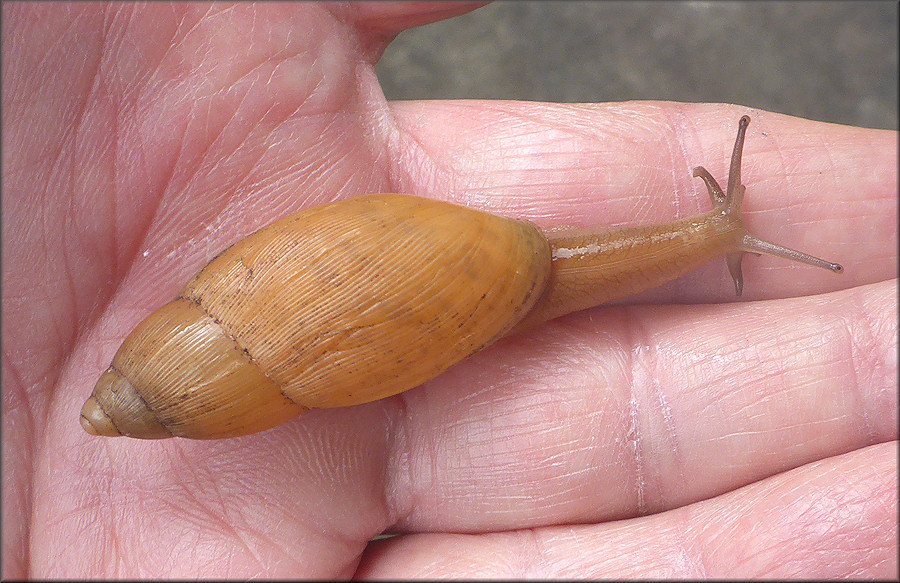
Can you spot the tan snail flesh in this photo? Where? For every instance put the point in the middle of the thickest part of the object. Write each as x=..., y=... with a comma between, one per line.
x=362, y=299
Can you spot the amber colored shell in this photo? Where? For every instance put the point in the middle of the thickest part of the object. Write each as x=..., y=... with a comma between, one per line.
x=337, y=305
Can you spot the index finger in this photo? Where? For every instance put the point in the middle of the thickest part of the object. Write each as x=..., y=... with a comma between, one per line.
x=812, y=186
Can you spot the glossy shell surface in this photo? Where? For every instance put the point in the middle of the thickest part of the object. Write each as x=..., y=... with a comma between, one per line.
x=337, y=305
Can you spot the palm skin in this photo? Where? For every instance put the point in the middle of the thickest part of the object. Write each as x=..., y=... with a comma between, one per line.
x=678, y=433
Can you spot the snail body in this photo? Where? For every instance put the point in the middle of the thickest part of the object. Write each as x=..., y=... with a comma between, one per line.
x=362, y=299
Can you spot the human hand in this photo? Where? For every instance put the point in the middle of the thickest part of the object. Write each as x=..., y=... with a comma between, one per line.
x=679, y=433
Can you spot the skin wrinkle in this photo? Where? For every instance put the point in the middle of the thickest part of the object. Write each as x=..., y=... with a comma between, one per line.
x=321, y=176
x=166, y=188
x=542, y=122
x=179, y=170
x=321, y=85
x=68, y=140
x=205, y=155
x=272, y=183
x=194, y=508
x=671, y=431
x=808, y=518
x=514, y=469
x=782, y=429
x=26, y=495
x=46, y=232
x=115, y=554
x=855, y=355
x=98, y=308
x=758, y=404
x=81, y=132
x=218, y=161
x=195, y=29
x=17, y=386
x=346, y=182
x=60, y=356
x=555, y=143
x=526, y=162
x=677, y=158
x=413, y=159
x=687, y=138
x=225, y=520
x=568, y=566
x=176, y=43
x=533, y=552
x=637, y=338
x=145, y=228
x=885, y=363
x=68, y=233
x=71, y=25
x=396, y=477
x=111, y=550
x=401, y=494
x=249, y=77
x=275, y=180
x=116, y=26
x=718, y=535
x=379, y=153
x=685, y=539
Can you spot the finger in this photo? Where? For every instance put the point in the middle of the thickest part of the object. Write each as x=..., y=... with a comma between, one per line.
x=381, y=21
x=812, y=186
x=831, y=519
x=630, y=411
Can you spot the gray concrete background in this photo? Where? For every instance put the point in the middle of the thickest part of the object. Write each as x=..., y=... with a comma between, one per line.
x=831, y=61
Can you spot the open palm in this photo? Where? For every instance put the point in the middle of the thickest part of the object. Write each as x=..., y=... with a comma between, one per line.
x=679, y=433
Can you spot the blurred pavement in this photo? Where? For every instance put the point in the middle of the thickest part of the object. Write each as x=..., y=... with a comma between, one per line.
x=829, y=61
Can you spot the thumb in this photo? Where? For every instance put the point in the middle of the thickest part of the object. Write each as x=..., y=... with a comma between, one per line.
x=380, y=22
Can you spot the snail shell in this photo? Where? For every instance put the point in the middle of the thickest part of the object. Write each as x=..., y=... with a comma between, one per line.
x=311, y=311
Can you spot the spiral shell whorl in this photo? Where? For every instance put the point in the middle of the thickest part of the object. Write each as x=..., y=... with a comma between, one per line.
x=337, y=305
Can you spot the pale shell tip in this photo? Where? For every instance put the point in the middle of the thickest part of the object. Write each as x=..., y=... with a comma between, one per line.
x=95, y=421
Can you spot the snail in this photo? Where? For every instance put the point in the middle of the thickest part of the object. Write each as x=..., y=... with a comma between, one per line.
x=361, y=299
